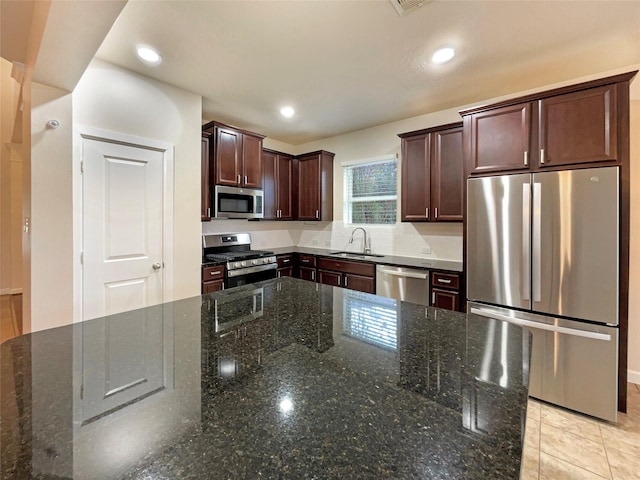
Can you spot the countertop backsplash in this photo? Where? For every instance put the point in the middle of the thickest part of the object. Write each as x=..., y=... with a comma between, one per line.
x=442, y=241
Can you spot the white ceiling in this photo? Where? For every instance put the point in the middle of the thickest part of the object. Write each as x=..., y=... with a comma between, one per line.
x=348, y=65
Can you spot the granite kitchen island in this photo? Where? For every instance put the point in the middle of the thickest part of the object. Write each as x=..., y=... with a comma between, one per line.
x=280, y=379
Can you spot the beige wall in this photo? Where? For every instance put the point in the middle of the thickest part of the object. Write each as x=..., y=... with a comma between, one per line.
x=51, y=209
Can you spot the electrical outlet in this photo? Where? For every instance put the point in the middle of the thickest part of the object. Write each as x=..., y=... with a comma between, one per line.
x=426, y=250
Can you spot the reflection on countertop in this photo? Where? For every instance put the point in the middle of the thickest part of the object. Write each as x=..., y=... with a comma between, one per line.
x=281, y=379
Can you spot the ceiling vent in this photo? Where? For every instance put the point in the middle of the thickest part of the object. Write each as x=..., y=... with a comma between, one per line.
x=405, y=6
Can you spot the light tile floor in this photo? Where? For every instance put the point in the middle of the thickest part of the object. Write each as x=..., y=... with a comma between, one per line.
x=562, y=445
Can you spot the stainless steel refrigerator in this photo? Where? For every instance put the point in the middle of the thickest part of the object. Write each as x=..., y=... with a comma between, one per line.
x=543, y=253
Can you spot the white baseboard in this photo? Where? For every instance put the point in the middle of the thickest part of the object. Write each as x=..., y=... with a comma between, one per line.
x=633, y=377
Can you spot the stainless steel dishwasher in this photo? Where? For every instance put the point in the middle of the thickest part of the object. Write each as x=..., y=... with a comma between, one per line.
x=401, y=283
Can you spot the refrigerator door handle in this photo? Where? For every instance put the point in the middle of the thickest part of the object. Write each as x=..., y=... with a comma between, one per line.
x=541, y=326
x=526, y=241
x=537, y=241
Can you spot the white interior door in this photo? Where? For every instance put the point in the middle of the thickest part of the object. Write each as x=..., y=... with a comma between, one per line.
x=122, y=227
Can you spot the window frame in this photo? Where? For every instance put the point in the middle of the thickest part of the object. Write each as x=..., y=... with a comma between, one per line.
x=347, y=201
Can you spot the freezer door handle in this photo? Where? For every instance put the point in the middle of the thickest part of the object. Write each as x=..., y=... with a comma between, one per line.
x=526, y=241
x=537, y=241
x=541, y=326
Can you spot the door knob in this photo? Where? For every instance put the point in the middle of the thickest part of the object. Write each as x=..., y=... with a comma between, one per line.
x=157, y=266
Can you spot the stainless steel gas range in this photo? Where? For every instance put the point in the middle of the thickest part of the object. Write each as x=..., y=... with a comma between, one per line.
x=243, y=265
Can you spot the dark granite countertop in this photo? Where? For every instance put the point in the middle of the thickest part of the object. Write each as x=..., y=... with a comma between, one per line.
x=281, y=379
x=402, y=261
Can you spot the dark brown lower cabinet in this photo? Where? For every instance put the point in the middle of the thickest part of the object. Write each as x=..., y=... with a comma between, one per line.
x=307, y=267
x=286, y=265
x=360, y=283
x=212, y=279
x=352, y=275
x=445, y=290
x=445, y=299
x=307, y=273
x=284, y=272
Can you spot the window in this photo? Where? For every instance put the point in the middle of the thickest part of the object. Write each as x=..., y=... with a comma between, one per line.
x=370, y=191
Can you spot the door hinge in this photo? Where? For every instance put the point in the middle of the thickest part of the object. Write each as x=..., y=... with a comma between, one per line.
x=82, y=258
x=81, y=166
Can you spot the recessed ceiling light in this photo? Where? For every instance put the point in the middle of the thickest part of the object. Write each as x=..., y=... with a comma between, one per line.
x=287, y=112
x=148, y=55
x=443, y=55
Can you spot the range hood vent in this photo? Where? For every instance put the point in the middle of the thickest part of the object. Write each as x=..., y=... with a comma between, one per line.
x=405, y=6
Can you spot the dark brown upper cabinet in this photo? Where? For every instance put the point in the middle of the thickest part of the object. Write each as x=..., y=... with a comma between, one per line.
x=500, y=139
x=315, y=186
x=205, y=194
x=237, y=156
x=578, y=127
x=432, y=174
x=563, y=128
x=277, y=184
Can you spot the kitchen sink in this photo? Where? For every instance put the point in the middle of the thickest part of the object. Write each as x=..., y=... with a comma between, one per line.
x=354, y=255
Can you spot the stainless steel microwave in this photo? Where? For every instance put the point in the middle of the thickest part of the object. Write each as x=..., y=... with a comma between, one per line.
x=236, y=202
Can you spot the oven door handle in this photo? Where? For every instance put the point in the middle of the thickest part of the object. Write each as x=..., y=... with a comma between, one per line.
x=248, y=270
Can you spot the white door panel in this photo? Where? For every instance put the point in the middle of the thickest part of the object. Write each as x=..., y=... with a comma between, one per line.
x=122, y=227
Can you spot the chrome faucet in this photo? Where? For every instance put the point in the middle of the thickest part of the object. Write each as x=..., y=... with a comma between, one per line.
x=366, y=245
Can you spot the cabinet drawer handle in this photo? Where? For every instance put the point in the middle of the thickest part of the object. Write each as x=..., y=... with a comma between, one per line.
x=442, y=280
x=542, y=155
x=286, y=260
x=305, y=261
x=215, y=273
